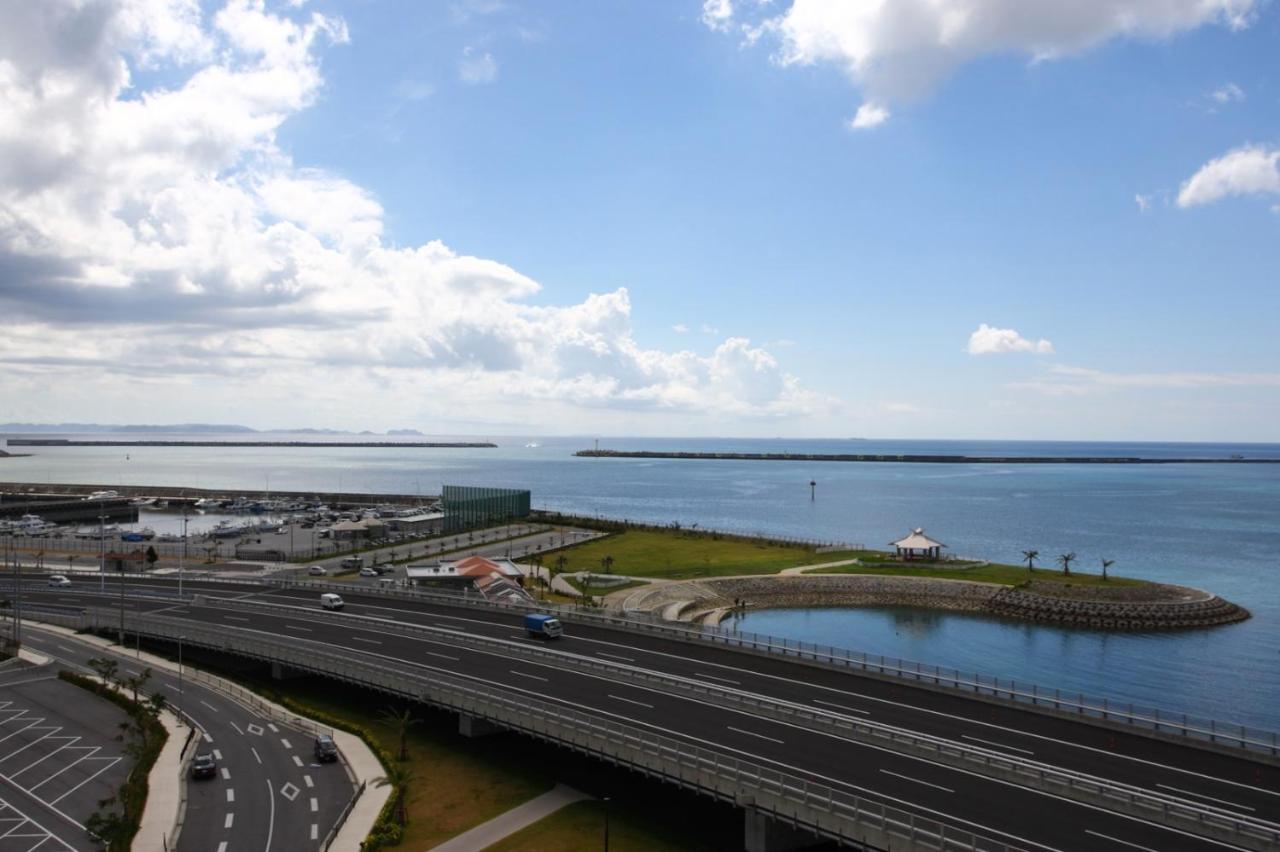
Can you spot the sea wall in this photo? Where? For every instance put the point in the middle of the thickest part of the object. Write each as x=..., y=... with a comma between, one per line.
x=1145, y=608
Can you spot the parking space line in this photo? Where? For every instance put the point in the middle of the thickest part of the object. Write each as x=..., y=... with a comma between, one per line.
x=114, y=761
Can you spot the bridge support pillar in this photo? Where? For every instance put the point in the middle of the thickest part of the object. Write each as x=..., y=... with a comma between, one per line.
x=279, y=671
x=766, y=834
x=474, y=726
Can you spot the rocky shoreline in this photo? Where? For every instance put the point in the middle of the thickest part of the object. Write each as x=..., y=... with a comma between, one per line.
x=1144, y=608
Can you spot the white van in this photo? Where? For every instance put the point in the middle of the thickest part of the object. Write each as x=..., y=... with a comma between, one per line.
x=331, y=601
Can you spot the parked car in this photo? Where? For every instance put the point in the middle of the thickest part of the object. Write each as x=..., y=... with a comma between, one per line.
x=58, y=580
x=204, y=766
x=326, y=750
x=368, y=572
x=317, y=570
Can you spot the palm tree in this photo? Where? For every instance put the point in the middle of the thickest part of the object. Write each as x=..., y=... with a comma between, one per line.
x=398, y=777
x=400, y=721
x=607, y=564
x=1065, y=561
x=1106, y=563
x=1029, y=557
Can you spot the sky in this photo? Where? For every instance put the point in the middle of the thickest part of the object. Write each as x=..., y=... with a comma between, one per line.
x=1004, y=219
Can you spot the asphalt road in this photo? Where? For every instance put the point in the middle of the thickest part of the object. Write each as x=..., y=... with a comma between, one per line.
x=58, y=759
x=269, y=793
x=966, y=800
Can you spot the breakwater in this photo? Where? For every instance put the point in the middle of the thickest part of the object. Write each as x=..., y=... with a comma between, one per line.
x=65, y=442
x=917, y=459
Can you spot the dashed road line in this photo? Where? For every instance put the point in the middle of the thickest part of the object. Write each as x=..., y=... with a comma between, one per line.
x=843, y=707
x=1118, y=840
x=996, y=744
x=754, y=734
x=530, y=676
x=917, y=781
x=231, y=818
x=631, y=701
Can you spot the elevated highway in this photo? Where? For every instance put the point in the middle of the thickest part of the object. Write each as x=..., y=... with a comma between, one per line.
x=805, y=749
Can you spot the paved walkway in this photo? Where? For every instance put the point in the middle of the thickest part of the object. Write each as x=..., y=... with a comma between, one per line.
x=804, y=569
x=486, y=834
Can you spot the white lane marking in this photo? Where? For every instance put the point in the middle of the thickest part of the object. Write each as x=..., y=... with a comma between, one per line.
x=207, y=738
x=615, y=656
x=721, y=679
x=315, y=804
x=531, y=677
x=68, y=650
x=231, y=817
x=1203, y=796
x=996, y=744
x=841, y=707
x=217, y=755
x=630, y=701
x=271, y=820
x=234, y=618
x=273, y=728
x=297, y=760
x=366, y=641
x=306, y=779
x=442, y=656
x=1118, y=840
x=917, y=781
x=226, y=774
x=285, y=743
x=222, y=847
x=210, y=706
x=255, y=754
x=231, y=794
x=754, y=734
x=171, y=686
x=238, y=729
x=296, y=627
x=315, y=831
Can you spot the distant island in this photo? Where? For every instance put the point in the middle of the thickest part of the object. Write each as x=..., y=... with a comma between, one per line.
x=160, y=442
x=916, y=459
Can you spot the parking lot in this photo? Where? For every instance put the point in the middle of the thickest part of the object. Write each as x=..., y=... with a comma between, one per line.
x=58, y=759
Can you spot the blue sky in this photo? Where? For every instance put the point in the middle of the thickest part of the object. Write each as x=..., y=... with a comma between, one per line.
x=785, y=273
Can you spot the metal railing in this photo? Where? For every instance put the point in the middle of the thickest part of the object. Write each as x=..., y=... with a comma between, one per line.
x=822, y=809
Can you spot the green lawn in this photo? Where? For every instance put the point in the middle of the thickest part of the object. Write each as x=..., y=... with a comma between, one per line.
x=681, y=556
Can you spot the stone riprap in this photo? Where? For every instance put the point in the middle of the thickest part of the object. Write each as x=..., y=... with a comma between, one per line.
x=1146, y=608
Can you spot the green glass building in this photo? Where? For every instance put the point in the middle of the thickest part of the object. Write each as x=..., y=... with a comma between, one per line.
x=468, y=507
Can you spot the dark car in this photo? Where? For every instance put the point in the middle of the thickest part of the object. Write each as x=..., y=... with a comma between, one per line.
x=326, y=749
x=204, y=766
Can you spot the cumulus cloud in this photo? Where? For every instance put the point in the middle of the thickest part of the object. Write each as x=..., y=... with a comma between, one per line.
x=868, y=115
x=1143, y=202
x=477, y=68
x=899, y=50
x=1250, y=170
x=987, y=340
x=1228, y=93
x=159, y=232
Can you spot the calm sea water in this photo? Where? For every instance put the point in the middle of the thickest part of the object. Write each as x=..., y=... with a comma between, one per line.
x=1210, y=526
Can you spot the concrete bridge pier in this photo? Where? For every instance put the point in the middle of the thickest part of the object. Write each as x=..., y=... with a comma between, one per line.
x=765, y=834
x=279, y=671
x=474, y=726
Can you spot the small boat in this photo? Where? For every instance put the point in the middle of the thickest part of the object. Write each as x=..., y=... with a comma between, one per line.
x=205, y=503
x=144, y=534
x=532, y=445
x=142, y=502
x=103, y=495
x=158, y=504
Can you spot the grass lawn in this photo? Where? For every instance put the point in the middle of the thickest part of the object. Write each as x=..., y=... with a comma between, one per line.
x=1009, y=575
x=599, y=590
x=681, y=556
x=581, y=826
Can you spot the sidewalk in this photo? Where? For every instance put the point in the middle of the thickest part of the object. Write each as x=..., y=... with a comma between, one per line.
x=486, y=834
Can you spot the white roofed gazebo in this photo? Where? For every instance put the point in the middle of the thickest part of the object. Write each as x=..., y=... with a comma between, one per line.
x=917, y=545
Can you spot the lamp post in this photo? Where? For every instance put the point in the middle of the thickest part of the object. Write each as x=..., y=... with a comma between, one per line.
x=180, y=639
x=102, y=547
x=182, y=554
x=120, y=581
x=606, y=824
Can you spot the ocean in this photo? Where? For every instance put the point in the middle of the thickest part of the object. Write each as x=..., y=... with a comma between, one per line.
x=1215, y=527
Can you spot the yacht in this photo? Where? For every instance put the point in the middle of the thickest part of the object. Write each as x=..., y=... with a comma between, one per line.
x=206, y=503
x=103, y=495
x=34, y=525
x=143, y=502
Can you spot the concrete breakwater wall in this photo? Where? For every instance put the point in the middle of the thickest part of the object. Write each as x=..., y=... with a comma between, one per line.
x=1155, y=608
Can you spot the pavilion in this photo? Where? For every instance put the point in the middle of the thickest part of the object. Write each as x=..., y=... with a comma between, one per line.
x=917, y=545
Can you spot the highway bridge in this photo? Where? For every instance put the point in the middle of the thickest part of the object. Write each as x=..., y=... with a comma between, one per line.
x=809, y=748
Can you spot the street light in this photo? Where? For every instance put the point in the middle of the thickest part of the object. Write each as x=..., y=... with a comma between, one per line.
x=180, y=639
x=183, y=552
x=606, y=824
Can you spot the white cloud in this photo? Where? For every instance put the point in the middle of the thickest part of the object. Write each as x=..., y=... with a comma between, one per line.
x=987, y=340
x=1064, y=380
x=868, y=115
x=1250, y=170
x=159, y=234
x=477, y=68
x=717, y=14
x=1143, y=202
x=709, y=329
x=899, y=50
x=680, y=328
x=1228, y=93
